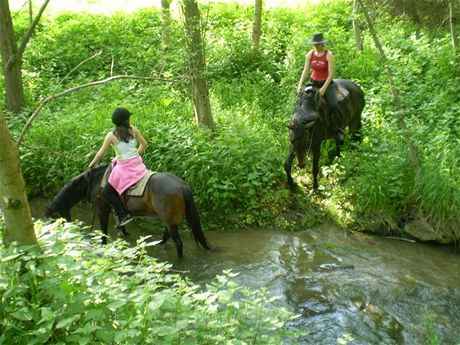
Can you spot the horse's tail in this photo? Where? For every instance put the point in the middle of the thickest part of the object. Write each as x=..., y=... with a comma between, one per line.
x=191, y=215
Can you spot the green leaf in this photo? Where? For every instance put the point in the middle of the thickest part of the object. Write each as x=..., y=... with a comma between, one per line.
x=67, y=321
x=11, y=257
x=24, y=314
x=117, y=304
x=167, y=331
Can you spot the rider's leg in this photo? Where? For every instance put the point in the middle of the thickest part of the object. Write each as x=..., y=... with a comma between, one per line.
x=333, y=106
x=114, y=199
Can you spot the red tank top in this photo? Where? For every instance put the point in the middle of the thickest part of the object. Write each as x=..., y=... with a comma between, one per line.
x=320, y=66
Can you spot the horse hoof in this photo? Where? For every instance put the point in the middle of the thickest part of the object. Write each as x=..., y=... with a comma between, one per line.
x=294, y=187
x=122, y=232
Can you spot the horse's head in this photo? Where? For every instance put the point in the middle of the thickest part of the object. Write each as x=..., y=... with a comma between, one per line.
x=74, y=191
x=54, y=212
x=303, y=119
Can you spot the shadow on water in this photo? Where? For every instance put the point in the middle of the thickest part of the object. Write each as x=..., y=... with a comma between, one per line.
x=346, y=286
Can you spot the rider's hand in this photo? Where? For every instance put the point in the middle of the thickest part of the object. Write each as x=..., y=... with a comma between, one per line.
x=322, y=91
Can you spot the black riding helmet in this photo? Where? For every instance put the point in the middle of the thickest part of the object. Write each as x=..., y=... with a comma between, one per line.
x=120, y=116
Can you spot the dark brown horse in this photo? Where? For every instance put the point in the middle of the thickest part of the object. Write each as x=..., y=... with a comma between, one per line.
x=166, y=196
x=311, y=124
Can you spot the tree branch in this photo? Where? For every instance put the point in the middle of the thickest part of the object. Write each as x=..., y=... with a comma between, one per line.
x=76, y=88
x=81, y=63
x=28, y=35
x=396, y=99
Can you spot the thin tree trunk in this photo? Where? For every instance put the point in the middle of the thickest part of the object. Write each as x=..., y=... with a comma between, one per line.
x=11, y=66
x=453, y=31
x=200, y=90
x=401, y=121
x=31, y=13
x=19, y=226
x=30, y=31
x=165, y=24
x=356, y=28
x=256, y=29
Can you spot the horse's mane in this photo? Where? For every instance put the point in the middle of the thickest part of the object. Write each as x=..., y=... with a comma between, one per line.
x=304, y=106
x=76, y=190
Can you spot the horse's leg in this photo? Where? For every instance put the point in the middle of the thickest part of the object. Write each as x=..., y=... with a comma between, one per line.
x=123, y=231
x=315, y=166
x=355, y=129
x=165, y=236
x=174, y=232
x=287, y=168
x=103, y=215
x=338, y=147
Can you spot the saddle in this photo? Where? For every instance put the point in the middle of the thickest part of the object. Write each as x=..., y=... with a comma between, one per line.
x=136, y=189
x=341, y=93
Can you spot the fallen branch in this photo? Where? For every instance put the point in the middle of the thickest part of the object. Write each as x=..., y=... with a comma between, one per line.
x=76, y=88
x=400, y=239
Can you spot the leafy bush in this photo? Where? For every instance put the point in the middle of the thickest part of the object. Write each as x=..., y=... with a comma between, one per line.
x=75, y=293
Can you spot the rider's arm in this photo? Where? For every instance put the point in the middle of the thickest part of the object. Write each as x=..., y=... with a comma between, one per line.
x=305, y=72
x=109, y=138
x=330, y=76
x=140, y=139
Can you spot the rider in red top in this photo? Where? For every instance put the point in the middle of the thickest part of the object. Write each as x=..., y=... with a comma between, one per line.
x=321, y=61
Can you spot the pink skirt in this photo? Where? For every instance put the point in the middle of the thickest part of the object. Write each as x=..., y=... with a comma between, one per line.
x=127, y=173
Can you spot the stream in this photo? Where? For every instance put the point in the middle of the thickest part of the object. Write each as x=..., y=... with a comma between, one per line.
x=350, y=288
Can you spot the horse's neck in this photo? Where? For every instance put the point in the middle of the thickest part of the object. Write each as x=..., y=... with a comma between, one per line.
x=66, y=199
x=78, y=189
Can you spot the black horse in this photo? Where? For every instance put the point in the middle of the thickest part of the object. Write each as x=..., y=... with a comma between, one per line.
x=312, y=123
x=166, y=196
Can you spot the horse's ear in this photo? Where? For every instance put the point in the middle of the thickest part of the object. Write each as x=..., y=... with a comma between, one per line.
x=291, y=127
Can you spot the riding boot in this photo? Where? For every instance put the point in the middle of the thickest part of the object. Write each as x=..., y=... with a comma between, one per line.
x=334, y=108
x=340, y=130
x=114, y=200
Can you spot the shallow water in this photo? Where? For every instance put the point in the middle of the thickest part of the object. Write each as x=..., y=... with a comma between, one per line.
x=371, y=289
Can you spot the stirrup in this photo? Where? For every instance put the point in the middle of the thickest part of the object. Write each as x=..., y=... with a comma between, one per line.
x=128, y=218
x=340, y=136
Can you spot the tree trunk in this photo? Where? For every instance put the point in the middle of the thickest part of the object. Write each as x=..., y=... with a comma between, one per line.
x=200, y=91
x=356, y=28
x=31, y=13
x=165, y=24
x=11, y=65
x=256, y=29
x=13, y=199
x=453, y=31
x=401, y=121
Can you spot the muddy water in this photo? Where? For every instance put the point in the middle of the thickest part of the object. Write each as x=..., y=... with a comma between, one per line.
x=346, y=286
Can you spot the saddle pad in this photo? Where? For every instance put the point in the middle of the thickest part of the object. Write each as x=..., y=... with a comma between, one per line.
x=136, y=189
